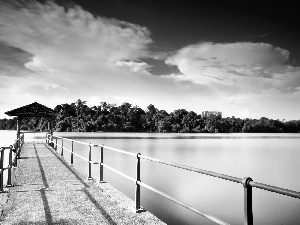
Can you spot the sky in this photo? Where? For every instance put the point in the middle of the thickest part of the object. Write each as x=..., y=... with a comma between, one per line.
x=238, y=57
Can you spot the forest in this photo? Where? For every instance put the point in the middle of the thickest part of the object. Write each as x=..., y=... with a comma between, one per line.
x=78, y=117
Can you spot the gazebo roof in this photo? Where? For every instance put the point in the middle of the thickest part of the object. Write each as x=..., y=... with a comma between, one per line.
x=32, y=110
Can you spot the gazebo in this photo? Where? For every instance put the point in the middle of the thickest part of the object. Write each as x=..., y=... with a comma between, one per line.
x=32, y=110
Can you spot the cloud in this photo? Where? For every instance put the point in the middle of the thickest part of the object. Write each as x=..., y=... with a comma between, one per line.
x=244, y=78
x=36, y=66
x=70, y=46
x=54, y=86
x=74, y=35
x=85, y=55
x=135, y=66
x=62, y=54
x=12, y=60
x=242, y=67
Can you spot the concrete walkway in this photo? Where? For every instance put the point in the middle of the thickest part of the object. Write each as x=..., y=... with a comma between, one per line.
x=49, y=191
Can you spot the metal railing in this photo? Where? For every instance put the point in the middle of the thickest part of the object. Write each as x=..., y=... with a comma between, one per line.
x=12, y=161
x=247, y=182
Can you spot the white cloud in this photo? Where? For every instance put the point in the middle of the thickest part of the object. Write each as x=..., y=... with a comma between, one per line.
x=75, y=36
x=83, y=54
x=36, y=66
x=245, y=78
x=55, y=86
x=134, y=66
x=73, y=47
x=242, y=67
x=78, y=55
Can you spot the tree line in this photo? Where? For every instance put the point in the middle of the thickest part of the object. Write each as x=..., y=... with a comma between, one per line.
x=78, y=117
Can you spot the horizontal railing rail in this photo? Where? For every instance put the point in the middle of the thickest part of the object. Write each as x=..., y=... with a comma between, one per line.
x=229, y=178
x=77, y=154
x=205, y=215
x=277, y=190
x=192, y=169
x=31, y=132
x=80, y=142
x=247, y=182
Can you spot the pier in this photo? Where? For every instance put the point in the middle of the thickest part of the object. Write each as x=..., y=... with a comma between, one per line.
x=46, y=190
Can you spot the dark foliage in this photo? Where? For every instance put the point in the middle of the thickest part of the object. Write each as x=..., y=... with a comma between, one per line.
x=127, y=118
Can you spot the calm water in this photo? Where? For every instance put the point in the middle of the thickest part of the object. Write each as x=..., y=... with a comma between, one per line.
x=268, y=158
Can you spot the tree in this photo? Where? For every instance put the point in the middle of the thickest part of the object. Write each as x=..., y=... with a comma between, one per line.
x=151, y=118
x=80, y=107
x=212, y=123
x=292, y=126
x=110, y=117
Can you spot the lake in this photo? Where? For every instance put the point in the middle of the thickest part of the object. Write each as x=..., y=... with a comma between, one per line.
x=267, y=158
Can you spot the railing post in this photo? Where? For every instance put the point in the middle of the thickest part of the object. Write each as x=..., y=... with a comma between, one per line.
x=19, y=147
x=72, y=154
x=19, y=118
x=15, y=162
x=56, y=144
x=10, y=166
x=90, y=165
x=23, y=140
x=62, y=148
x=20, y=141
x=101, y=165
x=248, y=214
x=51, y=143
x=18, y=151
x=137, y=186
x=1, y=168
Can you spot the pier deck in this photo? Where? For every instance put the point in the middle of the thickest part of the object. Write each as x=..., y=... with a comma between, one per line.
x=49, y=191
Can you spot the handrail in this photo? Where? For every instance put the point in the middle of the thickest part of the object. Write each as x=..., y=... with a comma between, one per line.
x=31, y=132
x=5, y=168
x=16, y=148
x=4, y=148
x=277, y=190
x=138, y=182
x=207, y=216
x=80, y=142
x=247, y=182
x=192, y=169
x=75, y=154
x=118, y=150
x=118, y=172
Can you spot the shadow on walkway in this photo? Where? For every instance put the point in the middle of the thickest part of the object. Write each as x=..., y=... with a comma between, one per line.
x=85, y=190
x=48, y=215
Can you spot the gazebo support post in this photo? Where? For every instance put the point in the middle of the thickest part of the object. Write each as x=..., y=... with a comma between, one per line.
x=51, y=132
x=18, y=131
x=50, y=128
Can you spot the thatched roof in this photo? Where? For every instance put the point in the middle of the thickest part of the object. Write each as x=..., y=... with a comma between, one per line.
x=32, y=110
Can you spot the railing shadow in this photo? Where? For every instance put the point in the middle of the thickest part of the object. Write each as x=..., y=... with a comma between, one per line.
x=47, y=210
x=85, y=189
x=78, y=177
